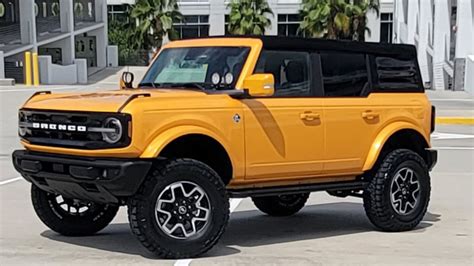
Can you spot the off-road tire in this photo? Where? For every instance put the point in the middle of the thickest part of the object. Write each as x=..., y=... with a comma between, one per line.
x=142, y=208
x=52, y=215
x=283, y=205
x=377, y=196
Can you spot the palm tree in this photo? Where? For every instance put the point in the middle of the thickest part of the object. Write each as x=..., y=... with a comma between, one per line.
x=249, y=17
x=336, y=19
x=154, y=20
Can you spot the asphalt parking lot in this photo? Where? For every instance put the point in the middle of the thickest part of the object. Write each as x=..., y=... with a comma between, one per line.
x=327, y=231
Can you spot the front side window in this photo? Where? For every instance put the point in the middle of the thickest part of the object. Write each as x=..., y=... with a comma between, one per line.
x=208, y=67
x=290, y=71
x=344, y=74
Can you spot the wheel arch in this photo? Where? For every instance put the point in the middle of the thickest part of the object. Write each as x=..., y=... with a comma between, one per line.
x=397, y=135
x=208, y=148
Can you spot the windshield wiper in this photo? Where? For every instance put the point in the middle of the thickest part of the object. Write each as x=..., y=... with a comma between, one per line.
x=148, y=84
x=183, y=85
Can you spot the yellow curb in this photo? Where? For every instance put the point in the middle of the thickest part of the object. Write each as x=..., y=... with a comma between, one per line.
x=455, y=120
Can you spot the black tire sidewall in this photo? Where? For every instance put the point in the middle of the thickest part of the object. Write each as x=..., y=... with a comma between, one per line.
x=217, y=197
x=66, y=224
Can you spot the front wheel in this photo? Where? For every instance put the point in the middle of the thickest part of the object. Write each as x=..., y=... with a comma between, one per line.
x=181, y=210
x=398, y=195
x=282, y=205
x=71, y=217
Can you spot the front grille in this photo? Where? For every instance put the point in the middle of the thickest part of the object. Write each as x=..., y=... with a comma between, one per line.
x=68, y=129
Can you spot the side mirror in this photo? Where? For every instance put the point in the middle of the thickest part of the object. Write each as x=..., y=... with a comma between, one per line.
x=126, y=81
x=260, y=85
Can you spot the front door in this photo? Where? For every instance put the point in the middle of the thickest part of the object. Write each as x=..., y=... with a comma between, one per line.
x=284, y=134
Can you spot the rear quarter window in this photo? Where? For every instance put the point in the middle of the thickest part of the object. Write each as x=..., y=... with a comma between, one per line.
x=397, y=74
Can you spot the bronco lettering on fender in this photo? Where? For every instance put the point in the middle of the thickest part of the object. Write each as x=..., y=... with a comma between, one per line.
x=271, y=118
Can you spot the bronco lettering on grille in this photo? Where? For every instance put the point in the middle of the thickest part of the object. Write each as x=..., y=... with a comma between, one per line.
x=62, y=127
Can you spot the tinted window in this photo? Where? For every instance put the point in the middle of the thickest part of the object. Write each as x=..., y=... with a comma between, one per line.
x=344, y=74
x=397, y=74
x=290, y=70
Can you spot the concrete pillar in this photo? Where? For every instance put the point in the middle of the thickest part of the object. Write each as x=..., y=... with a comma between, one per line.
x=373, y=23
x=465, y=29
x=101, y=46
x=27, y=21
x=66, y=10
x=424, y=24
x=273, y=29
x=217, y=12
x=100, y=7
x=81, y=68
x=112, y=56
x=2, y=66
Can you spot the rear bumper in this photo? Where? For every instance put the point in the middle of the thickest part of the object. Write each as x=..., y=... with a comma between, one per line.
x=94, y=179
x=431, y=158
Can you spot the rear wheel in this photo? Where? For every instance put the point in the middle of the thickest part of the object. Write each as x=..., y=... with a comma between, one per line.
x=71, y=217
x=397, y=197
x=282, y=205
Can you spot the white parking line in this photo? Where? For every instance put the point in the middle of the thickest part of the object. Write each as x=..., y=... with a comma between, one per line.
x=234, y=203
x=10, y=180
x=439, y=136
x=453, y=148
x=452, y=100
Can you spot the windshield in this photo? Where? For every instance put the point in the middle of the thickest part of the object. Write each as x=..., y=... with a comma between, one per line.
x=201, y=67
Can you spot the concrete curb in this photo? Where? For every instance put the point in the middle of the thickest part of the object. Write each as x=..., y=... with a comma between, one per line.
x=455, y=120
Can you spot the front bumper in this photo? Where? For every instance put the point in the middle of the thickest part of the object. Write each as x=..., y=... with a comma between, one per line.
x=95, y=179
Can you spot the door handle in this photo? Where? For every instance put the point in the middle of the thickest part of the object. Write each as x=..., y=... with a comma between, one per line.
x=369, y=114
x=309, y=116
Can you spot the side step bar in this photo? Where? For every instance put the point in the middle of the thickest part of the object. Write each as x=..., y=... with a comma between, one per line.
x=274, y=191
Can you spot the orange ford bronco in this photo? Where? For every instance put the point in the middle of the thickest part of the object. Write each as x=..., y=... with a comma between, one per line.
x=271, y=118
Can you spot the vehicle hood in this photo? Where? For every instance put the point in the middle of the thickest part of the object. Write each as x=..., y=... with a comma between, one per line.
x=106, y=101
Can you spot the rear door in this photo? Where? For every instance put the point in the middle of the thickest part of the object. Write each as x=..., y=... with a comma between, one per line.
x=352, y=118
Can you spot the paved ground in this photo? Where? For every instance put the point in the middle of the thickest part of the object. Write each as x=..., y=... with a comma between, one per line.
x=327, y=231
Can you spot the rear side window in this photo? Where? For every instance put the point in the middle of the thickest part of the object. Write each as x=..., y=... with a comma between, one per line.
x=344, y=74
x=290, y=71
x=397, y=74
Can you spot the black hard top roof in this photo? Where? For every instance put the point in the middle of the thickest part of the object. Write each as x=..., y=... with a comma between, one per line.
x=299, y=43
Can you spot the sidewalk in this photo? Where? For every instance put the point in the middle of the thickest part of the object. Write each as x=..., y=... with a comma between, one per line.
x=453, y=107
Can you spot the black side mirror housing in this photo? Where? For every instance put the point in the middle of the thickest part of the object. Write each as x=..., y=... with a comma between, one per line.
x=126, y=81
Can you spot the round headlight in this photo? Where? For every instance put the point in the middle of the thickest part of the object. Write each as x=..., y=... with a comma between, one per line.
x=114, y=132
x=22, y=130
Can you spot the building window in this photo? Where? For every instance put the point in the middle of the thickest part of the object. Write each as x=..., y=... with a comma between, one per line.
x=288, y=25
x=118, y=13
x=192, y=27
x=386, y=25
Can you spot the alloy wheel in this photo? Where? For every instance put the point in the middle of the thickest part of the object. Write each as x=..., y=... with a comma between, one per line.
x=405, y=191
x=182, y=210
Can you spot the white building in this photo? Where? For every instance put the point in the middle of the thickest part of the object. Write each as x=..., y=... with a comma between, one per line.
x=208, y=18
x=70, y=37
x=443, y=32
